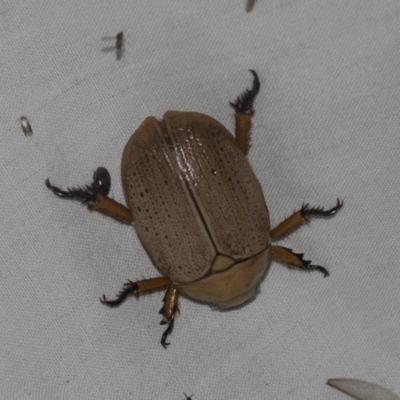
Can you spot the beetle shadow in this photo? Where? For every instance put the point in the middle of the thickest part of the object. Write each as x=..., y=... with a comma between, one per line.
x=118, y=52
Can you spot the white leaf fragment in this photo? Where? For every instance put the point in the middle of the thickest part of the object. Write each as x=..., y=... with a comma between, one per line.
x=362, y=390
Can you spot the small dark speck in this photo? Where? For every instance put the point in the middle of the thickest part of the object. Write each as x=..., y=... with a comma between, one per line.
x=250, y=5
x=141, y=194
x=138, y=208
x=166, y=236
x=146, y=190
x=233, y=189
x=147, y=229
x=119, y=40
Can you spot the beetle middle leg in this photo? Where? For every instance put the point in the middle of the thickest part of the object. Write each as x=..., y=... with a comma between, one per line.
x=286, y=255
x=95, y=195
x=303, y=215
x=244, y=111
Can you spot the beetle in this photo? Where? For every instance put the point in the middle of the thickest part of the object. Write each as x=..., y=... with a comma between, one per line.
x=198, y=209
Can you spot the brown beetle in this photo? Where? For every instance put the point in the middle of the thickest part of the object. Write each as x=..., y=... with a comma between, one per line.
x=198, y=209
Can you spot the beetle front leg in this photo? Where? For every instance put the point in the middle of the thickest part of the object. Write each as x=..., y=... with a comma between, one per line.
x=111, y=207
x=95, y=195
x=244, y=111
x=169, y=310
x=287, y=256
x=301, y=216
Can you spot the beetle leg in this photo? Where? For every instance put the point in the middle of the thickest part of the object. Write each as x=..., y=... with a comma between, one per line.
x=168, y=311
x=287, y=256
x=95, y=195
x=111, y=207
x=301, y=216
x=244, y=111
x=136, y=288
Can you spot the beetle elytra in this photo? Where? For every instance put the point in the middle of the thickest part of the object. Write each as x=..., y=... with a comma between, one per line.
x=198, y=209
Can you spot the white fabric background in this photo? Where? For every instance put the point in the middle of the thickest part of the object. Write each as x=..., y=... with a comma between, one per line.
x=326, y=126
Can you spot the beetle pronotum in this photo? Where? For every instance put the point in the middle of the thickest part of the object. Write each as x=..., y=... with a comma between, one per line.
x=198, y=209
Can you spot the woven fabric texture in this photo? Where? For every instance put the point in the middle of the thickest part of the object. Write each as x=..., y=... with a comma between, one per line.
x=326, y=126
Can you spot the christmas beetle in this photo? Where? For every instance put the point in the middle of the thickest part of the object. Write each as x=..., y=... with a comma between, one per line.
x=198, y=209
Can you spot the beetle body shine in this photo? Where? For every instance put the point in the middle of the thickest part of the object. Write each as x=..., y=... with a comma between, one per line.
x=197, y=207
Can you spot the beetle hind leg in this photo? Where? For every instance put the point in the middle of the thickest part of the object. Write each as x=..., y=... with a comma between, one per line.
x=128, y=289
x=169, y=310
x=136, y=288
x=244, y=111
x=287, y=256
x=95, y=195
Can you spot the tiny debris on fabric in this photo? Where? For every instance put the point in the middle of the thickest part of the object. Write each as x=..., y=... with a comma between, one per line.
x=250, y=5
x=119, y=43
x=26, y=126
